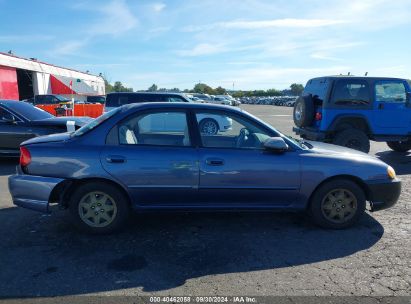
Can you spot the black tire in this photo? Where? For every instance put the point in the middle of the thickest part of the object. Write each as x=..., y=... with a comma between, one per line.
x=322, y=216
x=303, y=113
x=400, y=146
x=354, y=139
x=117, y=199
x=205, y=126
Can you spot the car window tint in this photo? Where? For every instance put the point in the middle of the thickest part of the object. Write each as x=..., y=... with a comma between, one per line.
x=174, y=99
x=6, y=116
x=390, y=91
x=351, y=92
x=158, y=128
x=229, y=131
x=122, y=100
x=317, y=87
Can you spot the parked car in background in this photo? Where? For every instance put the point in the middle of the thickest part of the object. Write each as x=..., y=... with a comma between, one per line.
x=350, y=111
x=210, y=124
x=96, y=99
x=123, y=160
x=221, y=100
x=20, y=121
x=48, y=99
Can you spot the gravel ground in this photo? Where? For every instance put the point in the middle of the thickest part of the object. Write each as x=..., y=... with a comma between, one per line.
x=210, y=254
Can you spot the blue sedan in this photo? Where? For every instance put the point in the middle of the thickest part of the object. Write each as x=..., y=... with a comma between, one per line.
x=138, y=157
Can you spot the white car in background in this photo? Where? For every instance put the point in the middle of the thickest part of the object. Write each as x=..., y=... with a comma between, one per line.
x=209, y=124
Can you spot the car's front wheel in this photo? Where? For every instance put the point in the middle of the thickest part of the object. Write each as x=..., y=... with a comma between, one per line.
x=337, y=204
x=208, y=127
x=400, y=146
x=99, y=207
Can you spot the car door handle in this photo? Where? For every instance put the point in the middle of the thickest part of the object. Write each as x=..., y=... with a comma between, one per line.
x=116, y=159
x=214, y=161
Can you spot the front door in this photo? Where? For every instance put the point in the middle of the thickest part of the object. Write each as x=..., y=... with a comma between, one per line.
x=392, y=115
x=235, y=171
x=158, y=166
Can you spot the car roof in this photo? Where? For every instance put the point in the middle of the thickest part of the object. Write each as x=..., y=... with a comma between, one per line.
x=180, y=105
x=334, y=77
x=7, y=102
x=147, y=93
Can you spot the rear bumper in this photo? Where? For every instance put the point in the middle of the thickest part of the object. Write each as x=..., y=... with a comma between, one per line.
x=309, y=134
x=32, y=192
x=384, y=194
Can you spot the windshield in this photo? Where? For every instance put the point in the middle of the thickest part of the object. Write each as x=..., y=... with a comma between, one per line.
x=300, y=142
x=96, y=122
x=62, y=98
x=28, y=111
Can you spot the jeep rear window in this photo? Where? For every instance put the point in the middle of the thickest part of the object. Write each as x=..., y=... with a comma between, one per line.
x=317, y=87
x=351, y=92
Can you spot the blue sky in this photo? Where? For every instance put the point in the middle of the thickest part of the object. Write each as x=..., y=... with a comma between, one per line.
x=253, y=44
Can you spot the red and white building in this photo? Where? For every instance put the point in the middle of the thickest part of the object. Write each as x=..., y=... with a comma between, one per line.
x=22, y=78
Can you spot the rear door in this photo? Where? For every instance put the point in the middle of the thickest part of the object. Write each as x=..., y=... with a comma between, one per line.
x=391, y=113
x=159, y=166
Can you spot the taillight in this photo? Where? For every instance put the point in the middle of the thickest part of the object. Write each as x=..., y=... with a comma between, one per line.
x=25, y=157
x=318, y=116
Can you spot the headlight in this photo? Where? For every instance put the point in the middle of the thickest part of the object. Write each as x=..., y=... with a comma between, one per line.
x=391, y=172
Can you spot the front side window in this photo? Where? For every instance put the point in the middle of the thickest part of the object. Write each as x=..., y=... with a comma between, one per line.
x=230, y=131
x=390, y=91
x=159, y=129
x=351, y=92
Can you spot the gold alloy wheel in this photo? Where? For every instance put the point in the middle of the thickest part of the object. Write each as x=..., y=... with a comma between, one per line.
x=339, y=206
x=97, y=209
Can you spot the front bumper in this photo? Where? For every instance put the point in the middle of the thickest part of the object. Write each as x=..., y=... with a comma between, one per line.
x=309, y=134
x=32, y=192
x=383, y=194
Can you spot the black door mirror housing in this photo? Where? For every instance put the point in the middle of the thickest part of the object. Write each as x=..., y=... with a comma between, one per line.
x=408, y=98
x=275, y=144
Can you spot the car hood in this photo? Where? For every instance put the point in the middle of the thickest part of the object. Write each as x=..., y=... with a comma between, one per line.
x=323, y=148
x=48, y=138
x=61, y=121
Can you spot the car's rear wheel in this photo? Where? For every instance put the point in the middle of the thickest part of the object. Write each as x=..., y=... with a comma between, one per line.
x=208, y=127
x=400, y=146
x=337, y=204
x=99, y=207
x=303, y=113
x=354, y=139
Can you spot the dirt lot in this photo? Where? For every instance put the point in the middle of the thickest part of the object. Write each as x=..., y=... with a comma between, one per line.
x=210, y=254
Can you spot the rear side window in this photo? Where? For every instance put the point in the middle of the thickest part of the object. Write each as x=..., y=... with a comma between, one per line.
x=318, y=88
x=351, y=92
x=390, y=91
x=158, y=129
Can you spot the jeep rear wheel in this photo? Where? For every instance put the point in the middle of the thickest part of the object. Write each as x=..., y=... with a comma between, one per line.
x=303, y=113
x=354, y=139
x=400, y=146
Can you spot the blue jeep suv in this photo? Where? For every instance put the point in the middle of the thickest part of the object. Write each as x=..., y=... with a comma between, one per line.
x=350, y=111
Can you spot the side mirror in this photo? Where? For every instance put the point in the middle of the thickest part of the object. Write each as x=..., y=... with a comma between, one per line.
x=408, y=98
x=275, y=144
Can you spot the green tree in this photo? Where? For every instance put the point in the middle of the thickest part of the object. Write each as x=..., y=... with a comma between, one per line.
x=297, y=89
x=118, y=87
x=203, y=89
x=220, y=91
x=153, y=88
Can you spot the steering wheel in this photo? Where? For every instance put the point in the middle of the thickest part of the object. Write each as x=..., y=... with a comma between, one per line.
x=242, y=137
